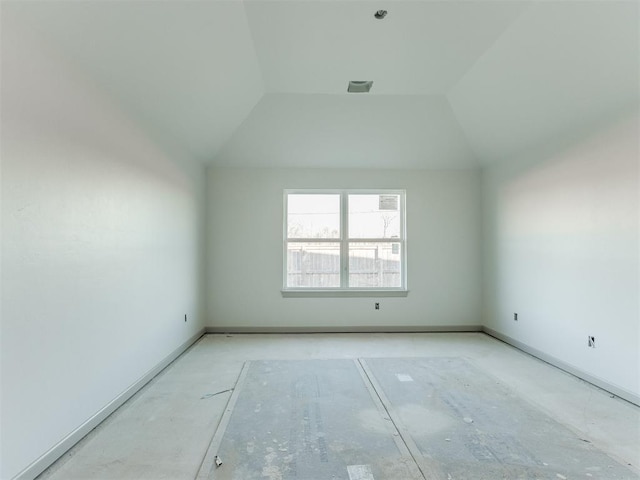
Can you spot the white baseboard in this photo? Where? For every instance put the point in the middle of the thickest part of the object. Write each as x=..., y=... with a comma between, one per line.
x=367, y=329
x=598, y=382
x=55, y=452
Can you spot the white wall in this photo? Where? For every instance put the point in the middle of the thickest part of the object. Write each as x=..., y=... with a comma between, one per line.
x=562, y=250
x=101, y=241
x=244, y=248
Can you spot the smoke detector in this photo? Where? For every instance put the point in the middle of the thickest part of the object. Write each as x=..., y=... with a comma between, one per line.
x=359, y=86
x=380, y=14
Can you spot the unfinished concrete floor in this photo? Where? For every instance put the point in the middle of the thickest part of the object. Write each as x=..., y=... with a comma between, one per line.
x=164, y=431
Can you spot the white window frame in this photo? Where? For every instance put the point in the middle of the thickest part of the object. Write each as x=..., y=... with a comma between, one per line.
x=344, y=290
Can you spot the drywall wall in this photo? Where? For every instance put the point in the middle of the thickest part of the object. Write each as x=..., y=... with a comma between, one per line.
x=561, y=249
x=101, y=246
x=244, y=247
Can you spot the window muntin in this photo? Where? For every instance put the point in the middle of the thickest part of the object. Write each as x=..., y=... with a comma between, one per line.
x=321, y=255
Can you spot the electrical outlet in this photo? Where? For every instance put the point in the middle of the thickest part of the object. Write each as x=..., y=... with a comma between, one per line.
x=185, y=317
x=377, y=306
x=591, y=341
x=515, y=317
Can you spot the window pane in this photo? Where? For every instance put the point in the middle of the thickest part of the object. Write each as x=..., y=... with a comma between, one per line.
x=313, y=265
x=374, y=216
x=374, y=264
x=313, y=216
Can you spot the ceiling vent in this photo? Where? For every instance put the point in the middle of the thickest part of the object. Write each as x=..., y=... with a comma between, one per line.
x=359, y=86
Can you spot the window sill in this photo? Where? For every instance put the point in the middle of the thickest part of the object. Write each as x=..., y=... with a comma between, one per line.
x=317, y=293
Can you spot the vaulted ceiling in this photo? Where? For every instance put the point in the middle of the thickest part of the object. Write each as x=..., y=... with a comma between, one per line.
x=263, y=83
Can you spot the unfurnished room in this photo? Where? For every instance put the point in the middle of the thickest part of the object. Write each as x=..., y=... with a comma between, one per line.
x=319, y=239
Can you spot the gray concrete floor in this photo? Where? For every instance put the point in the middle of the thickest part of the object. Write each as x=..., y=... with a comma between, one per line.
x=163, y=431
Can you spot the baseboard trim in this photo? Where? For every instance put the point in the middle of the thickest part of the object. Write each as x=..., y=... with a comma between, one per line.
x=576, y=372
x=339, y=329
x=58, y=450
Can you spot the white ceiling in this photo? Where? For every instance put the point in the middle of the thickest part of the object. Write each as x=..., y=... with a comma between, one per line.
x=419, y=48
x=560, y=68
x=373, y=131
x=263, y=82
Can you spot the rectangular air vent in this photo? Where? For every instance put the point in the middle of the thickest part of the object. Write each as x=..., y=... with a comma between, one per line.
x=359, y=86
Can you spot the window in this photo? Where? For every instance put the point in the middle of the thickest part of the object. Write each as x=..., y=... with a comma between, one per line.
x=344, y=241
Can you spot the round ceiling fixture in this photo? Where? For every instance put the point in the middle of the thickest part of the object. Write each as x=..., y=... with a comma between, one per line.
x=380, y=14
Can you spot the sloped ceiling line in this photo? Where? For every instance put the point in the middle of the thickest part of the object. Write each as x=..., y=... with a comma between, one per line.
x=561, y=67
x=454, y=82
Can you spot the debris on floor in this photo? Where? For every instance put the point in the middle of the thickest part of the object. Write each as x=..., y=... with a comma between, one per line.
x=209, y=395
